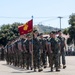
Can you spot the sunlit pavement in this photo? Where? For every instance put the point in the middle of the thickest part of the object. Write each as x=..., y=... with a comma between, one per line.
x=11, y=70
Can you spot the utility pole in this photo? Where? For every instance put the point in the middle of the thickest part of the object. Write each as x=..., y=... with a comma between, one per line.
x=60, y=21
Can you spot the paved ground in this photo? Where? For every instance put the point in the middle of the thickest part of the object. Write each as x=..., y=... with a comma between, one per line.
x=11, y=70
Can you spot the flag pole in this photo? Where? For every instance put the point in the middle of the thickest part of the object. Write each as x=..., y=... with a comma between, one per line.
x=32, y=40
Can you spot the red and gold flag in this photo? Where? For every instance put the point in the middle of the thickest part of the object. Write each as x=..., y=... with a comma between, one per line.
x=26, y=28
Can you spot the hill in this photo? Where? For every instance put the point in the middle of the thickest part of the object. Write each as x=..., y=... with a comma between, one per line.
x=45, y=29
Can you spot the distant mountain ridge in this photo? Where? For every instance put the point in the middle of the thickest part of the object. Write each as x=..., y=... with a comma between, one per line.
x=45, y=29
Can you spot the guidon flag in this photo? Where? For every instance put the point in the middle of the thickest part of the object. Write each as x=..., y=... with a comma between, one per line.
x=26, y=28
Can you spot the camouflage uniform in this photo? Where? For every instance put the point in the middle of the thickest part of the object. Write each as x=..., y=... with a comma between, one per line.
x=14, y=52
x=24, y=53
x=2, y=53
x=43, y=51
x=29, y=54
x=20, y=52
x=8, y=52
x=62, y=52
x=54, y=53
x=16, y=60
x=36, y=54
x=48, y=51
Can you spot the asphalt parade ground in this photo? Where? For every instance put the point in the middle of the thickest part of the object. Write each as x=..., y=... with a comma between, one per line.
x=11, y=70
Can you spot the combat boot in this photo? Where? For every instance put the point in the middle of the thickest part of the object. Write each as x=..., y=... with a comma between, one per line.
x=39, y=70
x=45, y=66
x=27, y=68
x=51, y=69
x=57, y=70
x=31, y=68
x=64, y=66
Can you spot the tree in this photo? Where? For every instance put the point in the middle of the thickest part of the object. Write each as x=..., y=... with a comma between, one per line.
x=72, y=19
x=71, y=30
x=8, y=32
x=65, y=31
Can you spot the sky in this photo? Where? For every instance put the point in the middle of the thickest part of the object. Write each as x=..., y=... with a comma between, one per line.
x=44, y=12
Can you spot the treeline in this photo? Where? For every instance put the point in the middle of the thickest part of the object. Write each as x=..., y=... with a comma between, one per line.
x=8, y=32
x=71, y=30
